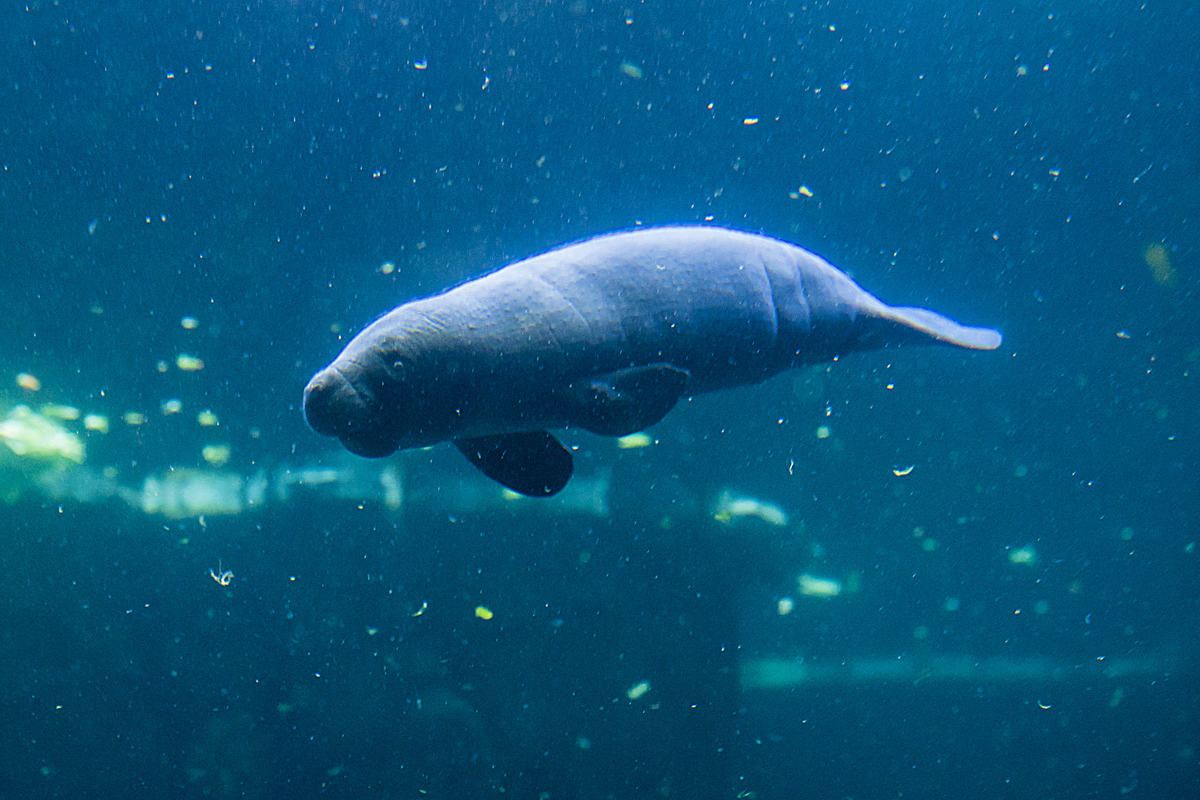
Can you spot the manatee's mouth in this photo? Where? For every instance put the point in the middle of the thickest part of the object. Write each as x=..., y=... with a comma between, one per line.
x=334, y=407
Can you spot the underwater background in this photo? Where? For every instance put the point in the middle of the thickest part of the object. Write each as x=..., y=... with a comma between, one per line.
x=918, y=572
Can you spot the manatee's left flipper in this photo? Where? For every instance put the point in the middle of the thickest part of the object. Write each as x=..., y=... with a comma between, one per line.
x=625, y=401
x=533, y=463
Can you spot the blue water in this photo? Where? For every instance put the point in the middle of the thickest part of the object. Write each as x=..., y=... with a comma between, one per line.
x=255, y=168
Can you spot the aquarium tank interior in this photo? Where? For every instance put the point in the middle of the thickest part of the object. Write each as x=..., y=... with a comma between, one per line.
x=901, y=571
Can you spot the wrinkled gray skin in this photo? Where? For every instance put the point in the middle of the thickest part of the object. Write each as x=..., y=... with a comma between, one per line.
x=607, y=334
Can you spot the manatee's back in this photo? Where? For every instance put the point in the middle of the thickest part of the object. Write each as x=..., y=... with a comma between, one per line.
x=698, y=298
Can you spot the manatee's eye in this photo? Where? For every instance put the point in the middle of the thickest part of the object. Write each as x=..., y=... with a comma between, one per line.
x=399, y=369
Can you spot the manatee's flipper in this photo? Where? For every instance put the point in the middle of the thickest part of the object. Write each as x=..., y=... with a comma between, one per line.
x=628, y=400
x=900, y=325
x=533, y=463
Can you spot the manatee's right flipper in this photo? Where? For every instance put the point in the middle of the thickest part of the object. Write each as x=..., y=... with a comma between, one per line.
x=533, y=463
x=627, y=400
x=902, y=325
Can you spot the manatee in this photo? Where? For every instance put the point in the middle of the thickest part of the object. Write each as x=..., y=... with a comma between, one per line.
x=607, y=335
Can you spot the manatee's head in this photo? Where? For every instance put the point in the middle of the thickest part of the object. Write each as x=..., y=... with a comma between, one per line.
x=372, y=397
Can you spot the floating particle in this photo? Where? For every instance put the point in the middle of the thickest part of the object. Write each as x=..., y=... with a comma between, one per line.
x=188, y=363
x=750, y=121
x=133, y=418
x=483, y=612
x=632, y=70
x=171, y=406
x=905, y=173
x=1161, y=269
x=730, y=507
x=844, y=85
x=637, y=690
x=1021, y=471
x=162, y=366
x=220, y=575
x=35, y=436
x=813, y=586
x=96, y=422
x=823, y=432
x=393, y=488
x=422, y=64
x=804, y=190
x=785, y=606
x=387, y=267
x=28, y=382
x=901, y=472
x=634, y=441
x=1026, y=555
x=1123, y=335
x=952, y=604
x=190, y=323
x=207, y=418
x=66, y=413
x=216, y=454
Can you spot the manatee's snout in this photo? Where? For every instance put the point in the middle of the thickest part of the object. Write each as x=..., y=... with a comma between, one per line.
x=326, y=397
x=335, y=407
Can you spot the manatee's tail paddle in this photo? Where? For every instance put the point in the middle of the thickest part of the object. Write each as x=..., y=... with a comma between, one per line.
x=903, y=325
